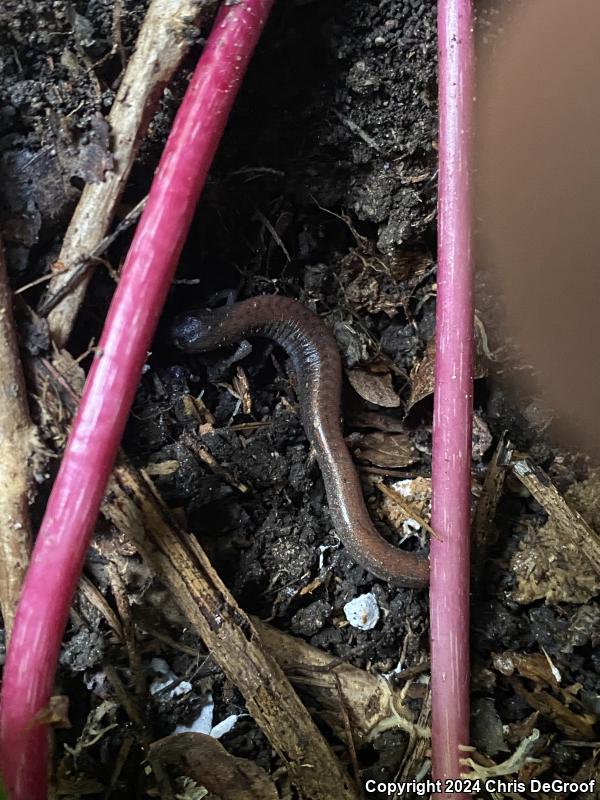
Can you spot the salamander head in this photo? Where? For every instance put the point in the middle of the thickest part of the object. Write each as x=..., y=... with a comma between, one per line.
x=196, y=331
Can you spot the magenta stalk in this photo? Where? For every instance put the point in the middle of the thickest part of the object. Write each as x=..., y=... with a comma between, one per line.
x=74, y=503
x=453, y=399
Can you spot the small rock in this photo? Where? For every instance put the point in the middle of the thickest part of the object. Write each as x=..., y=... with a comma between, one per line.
x=362, y=612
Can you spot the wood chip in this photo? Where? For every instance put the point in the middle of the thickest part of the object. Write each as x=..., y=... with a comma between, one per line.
x=17, y=437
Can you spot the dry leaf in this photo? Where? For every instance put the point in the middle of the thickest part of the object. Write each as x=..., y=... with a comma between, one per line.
x=534, y=666
x=375, y=387
x=417, y=494
x=394, y=450
x=206, y=761
x=559, y=705
x=484, y=533
x=56, y=713
x=481, y=438
x=383, y=283
x=377, y=420
x=515, y=732
x=372, y=704
x=422, y=376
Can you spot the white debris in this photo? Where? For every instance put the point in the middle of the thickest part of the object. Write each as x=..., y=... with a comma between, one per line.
x=160, y=666
x=405, y=487
x=225, y=726
x=204, y=722
x=409, y=528
x=362, y=612
x=178, y=688
x=167, y=678
x=323, y=548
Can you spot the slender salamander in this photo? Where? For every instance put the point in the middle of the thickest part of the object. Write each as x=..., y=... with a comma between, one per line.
x=316, y=361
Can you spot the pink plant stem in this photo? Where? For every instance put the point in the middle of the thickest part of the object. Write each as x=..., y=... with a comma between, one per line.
x=451, y=469
x=73, y=506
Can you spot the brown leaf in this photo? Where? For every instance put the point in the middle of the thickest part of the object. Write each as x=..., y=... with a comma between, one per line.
x=386, y=449
x=515, y=732
x=383, y=283
x=92, y=160
x=422, y=375
x=377, y=420
x=534, y=666
x=56, y=713
x=375, y=387
x=206, y=761
x=370, y=703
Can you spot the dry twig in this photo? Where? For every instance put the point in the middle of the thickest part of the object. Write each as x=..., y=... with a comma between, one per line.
x=16, y=436
x=164, y=39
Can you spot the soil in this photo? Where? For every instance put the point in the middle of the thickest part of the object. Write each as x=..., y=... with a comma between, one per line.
x=324, y=190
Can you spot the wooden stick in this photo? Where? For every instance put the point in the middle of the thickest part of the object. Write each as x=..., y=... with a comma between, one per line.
x=164, y=39
x=16, y=436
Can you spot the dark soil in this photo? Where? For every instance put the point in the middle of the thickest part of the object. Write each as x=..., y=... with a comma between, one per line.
x=323, y=190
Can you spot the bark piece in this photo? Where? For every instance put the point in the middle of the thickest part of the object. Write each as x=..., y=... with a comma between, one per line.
x=372, y=703
x=210, y=765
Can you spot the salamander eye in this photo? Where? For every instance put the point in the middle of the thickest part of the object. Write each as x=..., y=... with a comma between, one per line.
x=190, y=330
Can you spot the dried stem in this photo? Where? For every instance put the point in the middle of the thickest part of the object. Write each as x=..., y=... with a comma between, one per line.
x=16, y=436
x=163, y=41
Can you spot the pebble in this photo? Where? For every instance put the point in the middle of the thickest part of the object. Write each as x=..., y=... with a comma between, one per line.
x=362, y=612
